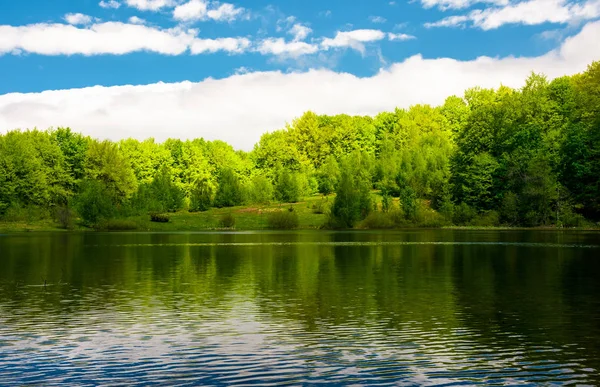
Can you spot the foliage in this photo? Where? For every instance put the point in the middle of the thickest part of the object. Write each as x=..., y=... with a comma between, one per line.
x=201, y=196
x=287, y=189
x=159, y=218
x=227, y=220
x=520, y=157
x=283, y=220
x=229, y=193
x=352, y=202
x=64, y=216
x=94, y=202
x=261, y=190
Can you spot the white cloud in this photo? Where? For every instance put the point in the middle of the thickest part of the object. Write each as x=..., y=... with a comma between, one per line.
x=150, y=5
x=109, y=4
x=104, y=38
x=197, y=10
x=459, y=4
x=238, y=109
x=136, y=20
x=401, y=37
x=278, y=46
x=225, y=12
x=192, y=10
x=531, y=12
x=78, y=19
x=230, y=45
x=377, y=19
x=299, y=31
x=353, y=39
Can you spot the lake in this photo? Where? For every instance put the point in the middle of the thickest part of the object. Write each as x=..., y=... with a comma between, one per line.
x=413, y=307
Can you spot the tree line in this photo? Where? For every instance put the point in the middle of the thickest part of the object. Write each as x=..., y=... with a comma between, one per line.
x=526, y=157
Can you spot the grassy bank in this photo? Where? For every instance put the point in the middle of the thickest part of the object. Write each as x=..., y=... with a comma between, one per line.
x=310, y=211
x=254, y=217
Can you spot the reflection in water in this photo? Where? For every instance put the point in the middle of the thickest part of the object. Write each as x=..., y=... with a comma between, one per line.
x=394, y=308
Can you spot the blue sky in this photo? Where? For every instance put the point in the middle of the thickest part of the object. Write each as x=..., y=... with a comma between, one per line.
x=330, y=54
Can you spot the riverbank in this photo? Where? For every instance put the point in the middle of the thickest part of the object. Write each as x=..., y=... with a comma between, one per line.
x=310, y=211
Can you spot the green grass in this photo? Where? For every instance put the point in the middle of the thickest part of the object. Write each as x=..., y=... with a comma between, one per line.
x=251, y=217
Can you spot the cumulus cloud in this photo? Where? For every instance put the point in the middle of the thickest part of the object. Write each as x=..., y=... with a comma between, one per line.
x=299, y=31
x=150, y=5
x=136, y=20
x=401, y=37
x=459, y=4
x=109, y=4
x=353, y=39
x=104, y=38
x=111, y=38
x=238, y=109
x=530, y=12
x=278, y=46
x=230, y=45
x=78, y=19
x=199, y=10
x=377, y=19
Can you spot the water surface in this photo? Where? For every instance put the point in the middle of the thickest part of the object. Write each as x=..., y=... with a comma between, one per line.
x=423, y=307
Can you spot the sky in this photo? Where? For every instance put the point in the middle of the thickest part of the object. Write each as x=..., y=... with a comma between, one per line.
x=232, y=71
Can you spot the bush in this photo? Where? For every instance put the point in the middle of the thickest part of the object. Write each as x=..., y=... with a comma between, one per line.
x=321, y=206
x=487, y=219
x=64, y=217
x=229, y=193
x=287, y=189
x=94, y=202
x=463, y=214
x=260, y=190
x=116, y=225
x=427, y=217
x=201, y=197
x=283, y=220
x=31, y=213
x=159, y=218
x=377, y=220
x=227, y=221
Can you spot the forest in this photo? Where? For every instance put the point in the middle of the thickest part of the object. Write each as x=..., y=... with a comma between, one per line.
x=528, y=157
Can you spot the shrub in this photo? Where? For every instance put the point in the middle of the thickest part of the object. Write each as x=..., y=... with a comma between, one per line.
x=487, y=219
x=64, y=217
x=30, y=213
x=260, y=190
x=227, y=220
x=427, y=217
x=159, y=218
x=94, y=202
x=287, y=189
x=321, y=206
x=229, y=193
x=509, y=209
x=201, y=197
x=165, y=192
x=352, y=202
x=377, y=220
x=283, y=220
x=463, y=214
x=116, y=225
x=569, y=218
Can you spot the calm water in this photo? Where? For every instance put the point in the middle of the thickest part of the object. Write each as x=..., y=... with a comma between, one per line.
x=366, y=308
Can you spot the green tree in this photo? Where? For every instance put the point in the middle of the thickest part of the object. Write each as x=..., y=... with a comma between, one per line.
x=328, y=175
x=202, y=195
x=353, y=197
x=93, y=203
x=287, y=188
x=229, y=193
